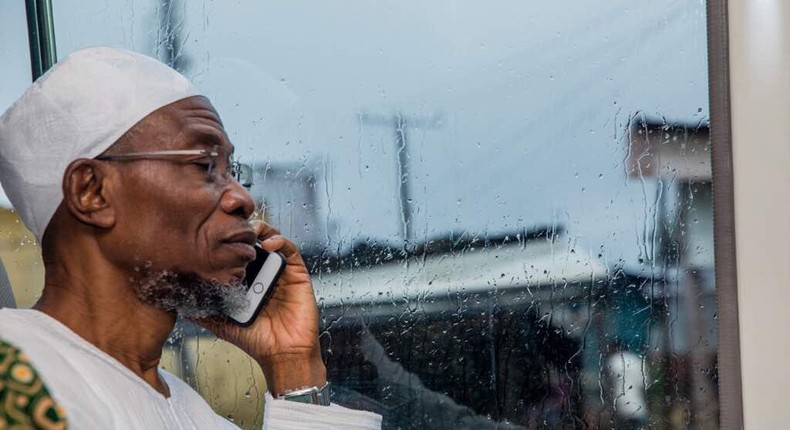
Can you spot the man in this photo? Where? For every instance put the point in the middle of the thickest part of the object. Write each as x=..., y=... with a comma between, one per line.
x=123, y=173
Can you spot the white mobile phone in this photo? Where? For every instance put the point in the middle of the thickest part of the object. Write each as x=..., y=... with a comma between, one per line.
x=261, y=277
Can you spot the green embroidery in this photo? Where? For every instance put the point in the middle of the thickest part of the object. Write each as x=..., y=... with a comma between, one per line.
x=25, y=402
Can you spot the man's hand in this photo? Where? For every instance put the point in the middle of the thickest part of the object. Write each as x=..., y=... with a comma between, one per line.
x=284, y=337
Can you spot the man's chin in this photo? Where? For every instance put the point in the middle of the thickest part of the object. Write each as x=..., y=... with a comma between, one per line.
x=192, y=295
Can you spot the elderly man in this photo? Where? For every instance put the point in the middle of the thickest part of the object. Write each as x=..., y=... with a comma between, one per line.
x=123, y=172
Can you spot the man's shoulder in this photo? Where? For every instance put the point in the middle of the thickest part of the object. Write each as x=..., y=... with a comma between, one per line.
x=20, y=323
x=30, y=331
x=14, y=319
x=8, y=315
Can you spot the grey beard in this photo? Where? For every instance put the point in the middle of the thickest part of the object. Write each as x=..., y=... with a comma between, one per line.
x=190, y=295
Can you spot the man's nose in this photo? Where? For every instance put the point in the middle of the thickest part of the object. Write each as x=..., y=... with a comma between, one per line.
x=237, y=201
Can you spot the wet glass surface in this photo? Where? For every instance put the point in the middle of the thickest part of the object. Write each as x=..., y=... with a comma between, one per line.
x=506, y=208
x=19, y=253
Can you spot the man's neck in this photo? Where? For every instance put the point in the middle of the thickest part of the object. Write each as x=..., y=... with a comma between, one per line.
x=111, y=318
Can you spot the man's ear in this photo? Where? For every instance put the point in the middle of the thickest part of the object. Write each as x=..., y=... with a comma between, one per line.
x=85, y=193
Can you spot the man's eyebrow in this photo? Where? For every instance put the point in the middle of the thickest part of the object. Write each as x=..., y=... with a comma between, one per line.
x=210, y=139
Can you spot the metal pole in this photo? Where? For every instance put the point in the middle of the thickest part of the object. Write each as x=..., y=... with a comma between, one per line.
x=402, y=149
x=32, y=35
x=41, y=35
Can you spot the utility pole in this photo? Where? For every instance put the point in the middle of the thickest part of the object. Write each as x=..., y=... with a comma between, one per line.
x=400, y=124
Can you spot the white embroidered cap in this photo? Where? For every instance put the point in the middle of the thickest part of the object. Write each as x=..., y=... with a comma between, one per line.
x=78, y=109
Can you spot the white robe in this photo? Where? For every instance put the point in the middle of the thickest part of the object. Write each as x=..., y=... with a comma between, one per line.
x=98, y=392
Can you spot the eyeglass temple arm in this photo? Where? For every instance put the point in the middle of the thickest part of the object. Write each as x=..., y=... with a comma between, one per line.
x=161, y=153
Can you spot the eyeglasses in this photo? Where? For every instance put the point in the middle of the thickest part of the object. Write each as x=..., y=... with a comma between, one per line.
x=240, y=172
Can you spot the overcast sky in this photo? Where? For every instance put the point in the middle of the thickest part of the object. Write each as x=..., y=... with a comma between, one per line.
x=526, y=101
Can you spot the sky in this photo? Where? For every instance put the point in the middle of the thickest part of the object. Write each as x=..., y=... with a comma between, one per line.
x=515, y=111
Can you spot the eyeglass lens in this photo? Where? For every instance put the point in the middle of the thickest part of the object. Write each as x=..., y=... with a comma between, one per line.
x=241, y=172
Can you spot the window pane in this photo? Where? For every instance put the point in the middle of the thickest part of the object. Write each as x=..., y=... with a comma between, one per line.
x=15, y=51
x=19, y=253
x=506, y=206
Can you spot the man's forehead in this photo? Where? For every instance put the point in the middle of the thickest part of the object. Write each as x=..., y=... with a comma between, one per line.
x=195, y=123
x=193, y=110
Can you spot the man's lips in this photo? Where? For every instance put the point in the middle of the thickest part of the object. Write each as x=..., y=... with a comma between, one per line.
x=243, y=243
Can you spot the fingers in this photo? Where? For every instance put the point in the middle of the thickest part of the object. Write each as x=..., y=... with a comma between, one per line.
x=272, y=241
x=284, y=246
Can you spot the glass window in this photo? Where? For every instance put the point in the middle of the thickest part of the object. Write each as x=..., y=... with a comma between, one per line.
x=19, y=252
x=506, y=207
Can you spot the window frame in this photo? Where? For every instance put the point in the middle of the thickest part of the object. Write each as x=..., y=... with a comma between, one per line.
x=729, y=368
